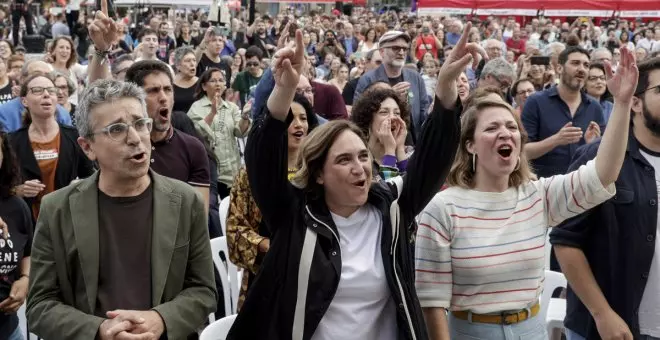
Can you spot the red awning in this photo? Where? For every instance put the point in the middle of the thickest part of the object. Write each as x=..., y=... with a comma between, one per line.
x=566, y=8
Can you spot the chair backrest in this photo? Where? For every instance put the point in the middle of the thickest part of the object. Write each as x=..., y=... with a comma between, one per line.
x=224, y=211
x=219, y=244
x=218, y=330
x=553, y=280
x=234, y=279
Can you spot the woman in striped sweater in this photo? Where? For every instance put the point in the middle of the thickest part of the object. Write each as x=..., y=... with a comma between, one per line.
x=480, y=244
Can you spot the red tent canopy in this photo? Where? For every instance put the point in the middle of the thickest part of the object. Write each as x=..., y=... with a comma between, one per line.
x=550, y=8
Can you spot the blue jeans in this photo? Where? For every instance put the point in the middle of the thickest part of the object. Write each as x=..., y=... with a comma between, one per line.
x=17, y=334
x=530, y=329
x=570, y=335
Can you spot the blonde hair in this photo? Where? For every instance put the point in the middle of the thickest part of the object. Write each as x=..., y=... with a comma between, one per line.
x=314, y=151
x=462, y=173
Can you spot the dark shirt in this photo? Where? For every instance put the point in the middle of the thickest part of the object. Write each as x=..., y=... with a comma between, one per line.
x=349, y=91
x=181, y=156
x=395, y=80
x=544, y=114
x=256, y=40
x=18, y=216
x=245, y=83
x=5, y=94
x=165, y=45
x=617, y=238
x=180, y=42
x=183, y=98
x=205, y=63
x=328, y=102
x=125, y=230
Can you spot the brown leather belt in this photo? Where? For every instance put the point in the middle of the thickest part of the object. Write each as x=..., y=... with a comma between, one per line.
x=504, y=318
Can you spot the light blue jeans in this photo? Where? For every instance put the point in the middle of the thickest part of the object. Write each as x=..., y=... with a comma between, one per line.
x=17, y=334
x=530, y=329
x=570, y=335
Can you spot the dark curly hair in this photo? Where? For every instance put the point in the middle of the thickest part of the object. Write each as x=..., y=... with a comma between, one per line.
x=9, y=170
x=144, y=68
x=369, y=103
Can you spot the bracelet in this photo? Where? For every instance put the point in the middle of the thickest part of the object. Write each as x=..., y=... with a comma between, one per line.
x=103, y=55
x=24, y=275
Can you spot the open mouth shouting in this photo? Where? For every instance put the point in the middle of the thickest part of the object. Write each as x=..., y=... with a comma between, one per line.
x=505, y=151
x=361, y=184
x=139, y=157
x=164, y=113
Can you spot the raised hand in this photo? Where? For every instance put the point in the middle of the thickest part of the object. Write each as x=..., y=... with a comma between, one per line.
x=288, y=63
x=103, y=30
x=460, y=57
x=593, y=132
x=622, y=85
x=386, y=137
x=568, y=134
x=400, y=131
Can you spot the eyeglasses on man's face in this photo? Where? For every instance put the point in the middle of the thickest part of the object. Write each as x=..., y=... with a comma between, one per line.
x=119, y=131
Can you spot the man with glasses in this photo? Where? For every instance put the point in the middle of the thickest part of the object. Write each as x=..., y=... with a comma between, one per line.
x=611, y=254
x=247, y=80
x=126, y=251
x=394, y=47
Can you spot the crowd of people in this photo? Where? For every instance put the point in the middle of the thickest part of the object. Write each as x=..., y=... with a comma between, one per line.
x=389, y=176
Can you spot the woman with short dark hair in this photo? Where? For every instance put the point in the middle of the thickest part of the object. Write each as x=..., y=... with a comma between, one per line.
x=340, y=264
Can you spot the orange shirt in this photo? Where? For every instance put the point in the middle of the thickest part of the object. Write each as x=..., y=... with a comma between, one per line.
x=47, y=155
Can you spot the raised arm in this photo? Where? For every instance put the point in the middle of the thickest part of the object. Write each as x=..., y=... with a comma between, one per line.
x=613, y=145
x=266, y=152
x=593, y=183
x=434, y=153
x=103, y=31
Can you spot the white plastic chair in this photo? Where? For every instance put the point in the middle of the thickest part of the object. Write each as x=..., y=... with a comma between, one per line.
x=224, y=211
x=218, y=330
x=23, y=325
x=553, y=310
x=233, y=284
x=219, y=244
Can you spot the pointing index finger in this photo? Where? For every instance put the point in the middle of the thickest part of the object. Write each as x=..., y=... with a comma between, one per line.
x=104, y=7
x=464, y=37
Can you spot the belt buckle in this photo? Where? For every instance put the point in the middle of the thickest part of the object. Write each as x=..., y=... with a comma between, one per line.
x=507, y=314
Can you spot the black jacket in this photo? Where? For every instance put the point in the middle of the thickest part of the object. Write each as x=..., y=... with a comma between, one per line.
x=303, y=232
x=72, y=162
x=617, y=238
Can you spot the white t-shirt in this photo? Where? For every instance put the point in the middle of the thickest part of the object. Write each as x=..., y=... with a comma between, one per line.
x=363, y=307
x=649, y=309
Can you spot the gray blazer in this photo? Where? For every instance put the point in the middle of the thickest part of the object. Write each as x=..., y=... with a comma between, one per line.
x=65, y=261
x=419, y=103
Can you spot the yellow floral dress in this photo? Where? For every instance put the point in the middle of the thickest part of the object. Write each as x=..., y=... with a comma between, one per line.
x=243, y=230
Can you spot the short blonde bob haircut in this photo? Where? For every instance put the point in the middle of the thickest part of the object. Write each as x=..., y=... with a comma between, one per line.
x=462, y=173
x=314, y=151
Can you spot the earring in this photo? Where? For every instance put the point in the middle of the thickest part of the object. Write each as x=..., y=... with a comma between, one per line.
x=518, y=165
x=474, y=162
